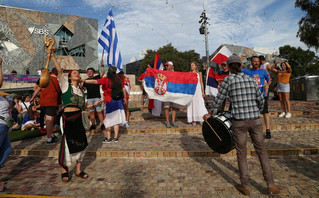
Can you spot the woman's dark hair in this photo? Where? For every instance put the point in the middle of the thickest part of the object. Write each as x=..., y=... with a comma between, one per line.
x=24, y=97
x=54, y=71
x=234, y=68
x=69, y=75
x=281, y=64
x=30, y=112
x=114, y=79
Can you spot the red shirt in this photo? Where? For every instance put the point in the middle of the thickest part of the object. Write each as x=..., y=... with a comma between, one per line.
x=49, y=95
x=106, y=88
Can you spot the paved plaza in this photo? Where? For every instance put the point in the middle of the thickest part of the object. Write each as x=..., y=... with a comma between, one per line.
x=153, y=161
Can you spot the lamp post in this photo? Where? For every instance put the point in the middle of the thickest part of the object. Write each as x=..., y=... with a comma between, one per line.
x=203, y=30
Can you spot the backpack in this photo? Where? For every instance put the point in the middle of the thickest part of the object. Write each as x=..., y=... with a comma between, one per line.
x=117, y=93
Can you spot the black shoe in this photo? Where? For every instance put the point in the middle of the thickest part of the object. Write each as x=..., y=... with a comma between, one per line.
x=115, y=139
x=105, y=140
x=52, y=141
x=92, y=127
x=102, y=127
x=268, y=136
x=54, y=137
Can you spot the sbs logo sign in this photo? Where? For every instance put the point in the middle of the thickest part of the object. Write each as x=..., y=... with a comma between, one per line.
x=34, y=30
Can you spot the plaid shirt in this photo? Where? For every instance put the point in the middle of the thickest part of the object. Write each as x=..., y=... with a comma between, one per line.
x=245, y=97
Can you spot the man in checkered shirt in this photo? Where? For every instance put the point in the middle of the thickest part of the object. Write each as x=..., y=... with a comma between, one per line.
x=246, y=104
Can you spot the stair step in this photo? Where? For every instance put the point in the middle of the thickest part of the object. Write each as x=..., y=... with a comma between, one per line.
x=305, y=142
x=142, y=116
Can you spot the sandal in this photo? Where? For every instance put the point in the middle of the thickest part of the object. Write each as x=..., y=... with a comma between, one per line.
x=65, y=175
x=82, y=175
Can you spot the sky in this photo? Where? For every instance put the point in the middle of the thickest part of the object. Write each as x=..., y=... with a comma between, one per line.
x=151, y=24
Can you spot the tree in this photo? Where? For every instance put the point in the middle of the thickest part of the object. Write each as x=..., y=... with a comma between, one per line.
x=309, y=25
x=301, y=61
x=181, y=60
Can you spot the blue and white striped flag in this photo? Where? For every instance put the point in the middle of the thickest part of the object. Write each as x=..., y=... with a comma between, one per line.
x=109, y=41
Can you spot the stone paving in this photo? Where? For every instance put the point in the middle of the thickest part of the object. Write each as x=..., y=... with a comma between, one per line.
x=152, y=161
x=137, y=177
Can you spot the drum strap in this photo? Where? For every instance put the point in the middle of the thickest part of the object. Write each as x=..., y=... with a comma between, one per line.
x=214, y=131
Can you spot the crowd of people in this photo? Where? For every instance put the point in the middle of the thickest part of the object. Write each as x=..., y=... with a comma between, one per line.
x=63, y=101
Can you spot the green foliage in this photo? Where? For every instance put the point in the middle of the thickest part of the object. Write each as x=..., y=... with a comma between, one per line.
x=309, y=25
x=181, y=60
x=301, y=61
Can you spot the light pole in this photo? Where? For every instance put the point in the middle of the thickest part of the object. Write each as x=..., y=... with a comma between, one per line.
x=203, y=30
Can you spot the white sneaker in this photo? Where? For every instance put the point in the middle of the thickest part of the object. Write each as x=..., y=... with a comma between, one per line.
x=282, y=115
x=288, y=115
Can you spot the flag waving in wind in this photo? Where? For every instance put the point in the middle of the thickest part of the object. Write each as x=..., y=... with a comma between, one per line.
x=212, y=82
x=158, y=63
x=109, y=41
x=222, y=55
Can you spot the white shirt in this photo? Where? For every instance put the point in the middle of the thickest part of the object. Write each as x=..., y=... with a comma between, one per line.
x=4, y=109
x=64, y=85
x=24, y=107
x=264, y=66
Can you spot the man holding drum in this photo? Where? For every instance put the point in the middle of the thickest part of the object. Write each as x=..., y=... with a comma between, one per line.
x=246, y=104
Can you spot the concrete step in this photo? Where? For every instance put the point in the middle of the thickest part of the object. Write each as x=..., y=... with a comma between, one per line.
x=303, y=142
x=143, y=116
x=295, y=123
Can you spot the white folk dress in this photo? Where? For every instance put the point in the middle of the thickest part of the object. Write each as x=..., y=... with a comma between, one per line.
x=196, y=109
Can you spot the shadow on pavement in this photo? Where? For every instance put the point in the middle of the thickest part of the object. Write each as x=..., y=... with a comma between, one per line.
x=215, y=167
x=302, y=164
x=22, y=166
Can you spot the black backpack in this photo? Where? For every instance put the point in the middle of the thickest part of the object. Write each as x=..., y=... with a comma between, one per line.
x=117, y=93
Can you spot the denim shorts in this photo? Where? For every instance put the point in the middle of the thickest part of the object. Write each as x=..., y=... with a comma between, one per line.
x=96, y=108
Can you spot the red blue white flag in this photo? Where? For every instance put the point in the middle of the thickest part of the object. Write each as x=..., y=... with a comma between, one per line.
x=155, y=106
x=222, y=55
x=212, y=82
x=158, y=63
x=170, y=86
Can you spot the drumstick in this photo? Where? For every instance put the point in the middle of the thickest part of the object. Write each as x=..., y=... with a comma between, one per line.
x=214, y=131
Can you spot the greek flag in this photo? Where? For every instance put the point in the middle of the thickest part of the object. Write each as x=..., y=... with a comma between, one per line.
x=109, y=41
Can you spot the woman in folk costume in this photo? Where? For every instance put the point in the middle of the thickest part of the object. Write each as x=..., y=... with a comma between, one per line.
x=114, y=93
x=74, y=141
x=196, y=109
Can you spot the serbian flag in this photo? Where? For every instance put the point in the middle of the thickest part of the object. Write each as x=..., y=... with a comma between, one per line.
x=155, y=106
x=158, y=63
x=212, y=82
x=170, y=86
x=222, y=55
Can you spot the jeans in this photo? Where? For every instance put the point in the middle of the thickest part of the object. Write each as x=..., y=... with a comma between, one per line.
x=5, y=145
x=254, y=127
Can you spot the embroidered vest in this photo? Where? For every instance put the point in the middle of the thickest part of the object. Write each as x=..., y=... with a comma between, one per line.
x=71, y=99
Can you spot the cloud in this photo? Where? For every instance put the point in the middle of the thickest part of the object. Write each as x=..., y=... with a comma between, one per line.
x=97, y=3
x=45, y=2
x=153, y=24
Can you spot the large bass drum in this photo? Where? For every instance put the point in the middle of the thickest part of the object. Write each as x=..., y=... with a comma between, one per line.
x=218, y=134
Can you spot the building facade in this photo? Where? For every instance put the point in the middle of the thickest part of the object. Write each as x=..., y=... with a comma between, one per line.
x=22, y=33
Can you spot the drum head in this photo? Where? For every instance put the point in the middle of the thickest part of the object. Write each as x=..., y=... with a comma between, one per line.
x=226, y=143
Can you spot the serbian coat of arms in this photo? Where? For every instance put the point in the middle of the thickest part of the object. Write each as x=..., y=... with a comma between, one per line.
x=160, y=84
